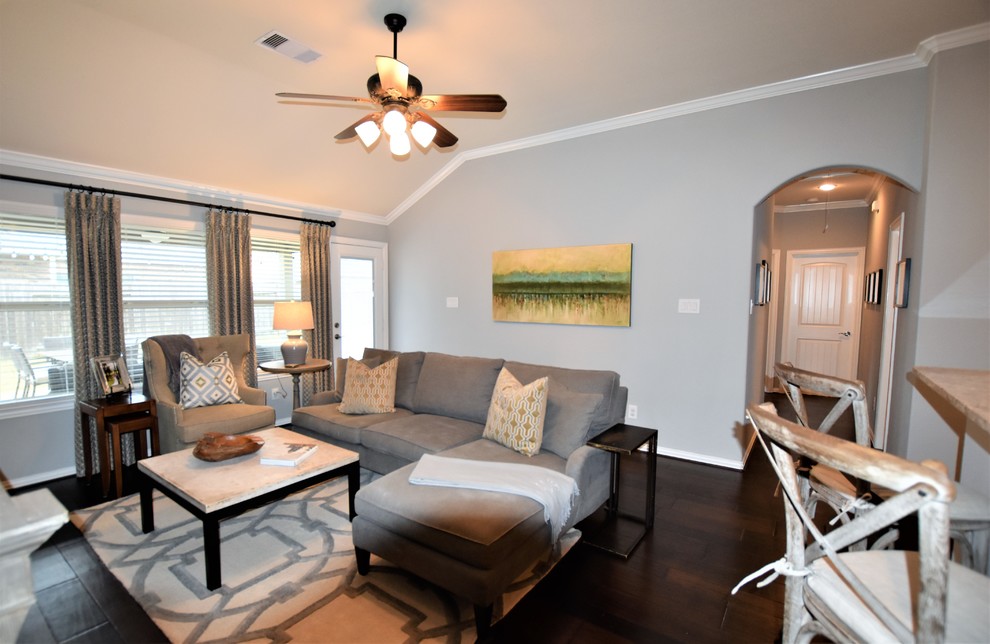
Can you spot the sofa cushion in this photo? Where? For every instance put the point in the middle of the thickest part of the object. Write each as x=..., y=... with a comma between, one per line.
x=223, y=419
x=205, y=384
x=516, y=413
x=329, y=421
x=569, y=418
x=486, y=450
x=456, y=386
x=587, y=381
x=369, y=391
x=410, y=364
x=409, y=437
x=477, y=527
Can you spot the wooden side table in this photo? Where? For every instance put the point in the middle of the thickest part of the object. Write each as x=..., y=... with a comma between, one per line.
x=615, y=534
x=313, y=365
x=126, y=413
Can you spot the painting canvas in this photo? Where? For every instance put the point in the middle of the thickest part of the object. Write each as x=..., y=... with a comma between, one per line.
x=588, y=285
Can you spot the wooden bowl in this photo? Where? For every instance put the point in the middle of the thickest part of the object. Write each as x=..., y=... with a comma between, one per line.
x=219, y=447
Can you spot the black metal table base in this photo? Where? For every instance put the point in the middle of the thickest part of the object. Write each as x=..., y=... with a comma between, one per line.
x=211, y=520
x=611, y=529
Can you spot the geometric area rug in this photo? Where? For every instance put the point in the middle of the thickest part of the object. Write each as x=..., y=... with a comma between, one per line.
x=288, y=572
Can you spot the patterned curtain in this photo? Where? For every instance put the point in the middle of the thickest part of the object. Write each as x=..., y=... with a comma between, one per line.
x=228, y=280
x=314, y=246
x=92, y=240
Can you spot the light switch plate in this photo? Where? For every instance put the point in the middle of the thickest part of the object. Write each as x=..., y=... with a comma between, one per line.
x=453, y=303
x=689, y=306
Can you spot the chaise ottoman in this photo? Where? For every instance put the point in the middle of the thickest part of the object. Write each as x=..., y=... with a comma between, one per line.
x=473, y=543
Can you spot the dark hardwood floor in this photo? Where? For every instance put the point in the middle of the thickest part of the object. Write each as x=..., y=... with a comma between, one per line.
x=713, y=527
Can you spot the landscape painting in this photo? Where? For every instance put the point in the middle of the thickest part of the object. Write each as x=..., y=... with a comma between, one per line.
x=588, y=285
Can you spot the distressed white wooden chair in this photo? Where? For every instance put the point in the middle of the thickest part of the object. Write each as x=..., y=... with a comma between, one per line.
x=969, y=514
x=874, y=595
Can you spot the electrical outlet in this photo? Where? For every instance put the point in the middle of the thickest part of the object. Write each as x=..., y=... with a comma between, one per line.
x=278, y=393
x=632, y=412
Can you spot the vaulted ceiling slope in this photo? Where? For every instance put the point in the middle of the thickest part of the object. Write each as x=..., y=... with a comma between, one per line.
x=181, y=90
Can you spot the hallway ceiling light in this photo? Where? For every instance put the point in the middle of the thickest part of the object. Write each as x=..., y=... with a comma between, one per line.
x=827, y=187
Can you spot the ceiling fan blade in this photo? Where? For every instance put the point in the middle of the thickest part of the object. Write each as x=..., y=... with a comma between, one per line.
x=462, y=102
x=444, y=138
x=324, y=97
x=394, y=75
x=351, y=132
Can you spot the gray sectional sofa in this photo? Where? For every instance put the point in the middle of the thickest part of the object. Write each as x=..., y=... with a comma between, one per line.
x=472, y=542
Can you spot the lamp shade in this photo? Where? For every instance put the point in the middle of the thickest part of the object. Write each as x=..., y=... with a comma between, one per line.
x=292, y=316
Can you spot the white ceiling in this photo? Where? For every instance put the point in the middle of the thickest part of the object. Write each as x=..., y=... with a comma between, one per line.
x=180, y=90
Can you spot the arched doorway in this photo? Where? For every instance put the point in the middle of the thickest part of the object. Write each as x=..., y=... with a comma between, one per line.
x=862, y=214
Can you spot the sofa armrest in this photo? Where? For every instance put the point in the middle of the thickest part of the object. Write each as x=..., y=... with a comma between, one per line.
x=589, y=466
x=253, y=396
x=325, y=398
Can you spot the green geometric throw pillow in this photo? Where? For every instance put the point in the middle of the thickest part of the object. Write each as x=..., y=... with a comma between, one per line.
x=203, y=385
x=517, y=413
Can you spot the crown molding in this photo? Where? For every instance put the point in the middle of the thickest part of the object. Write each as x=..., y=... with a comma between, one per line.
x=952, y=39
x=782, y=88
x=123, y=179
x=921, y=58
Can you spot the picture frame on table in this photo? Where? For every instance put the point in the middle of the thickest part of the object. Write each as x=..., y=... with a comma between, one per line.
x=902, y=283
x=111, y=374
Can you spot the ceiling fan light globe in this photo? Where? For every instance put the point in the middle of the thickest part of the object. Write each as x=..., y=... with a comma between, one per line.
x=399, y=144
x=394, y=123
x=423, y=132
x=368, y=132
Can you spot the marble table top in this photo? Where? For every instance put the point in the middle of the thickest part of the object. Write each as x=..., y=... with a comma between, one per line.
x=968, y=390
x=213, y=486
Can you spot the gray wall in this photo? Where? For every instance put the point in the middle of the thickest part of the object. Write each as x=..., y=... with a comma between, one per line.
x=947, y=322
x=683, y=191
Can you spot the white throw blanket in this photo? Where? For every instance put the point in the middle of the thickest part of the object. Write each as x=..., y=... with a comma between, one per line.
x=554, y=490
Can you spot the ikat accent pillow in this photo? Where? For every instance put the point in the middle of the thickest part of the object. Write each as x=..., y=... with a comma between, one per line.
x=517, y=413
x=369, y=390
x=203, y=385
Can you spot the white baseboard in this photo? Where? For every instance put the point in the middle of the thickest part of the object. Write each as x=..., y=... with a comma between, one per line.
x=42, y=477
x=702, y=458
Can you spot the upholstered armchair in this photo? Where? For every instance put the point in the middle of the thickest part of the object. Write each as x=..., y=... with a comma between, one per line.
x=180, y=428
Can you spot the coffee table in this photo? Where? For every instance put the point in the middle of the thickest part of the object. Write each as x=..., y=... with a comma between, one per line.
x=216, y=491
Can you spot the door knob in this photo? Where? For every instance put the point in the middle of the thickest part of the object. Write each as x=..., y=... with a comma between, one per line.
x=336, y=336
x=846, y=333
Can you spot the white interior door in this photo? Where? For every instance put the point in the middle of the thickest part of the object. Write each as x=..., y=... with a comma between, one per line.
x=360, y=295
x=823, y=310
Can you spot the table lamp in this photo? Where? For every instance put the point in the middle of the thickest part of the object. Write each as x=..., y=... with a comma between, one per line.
x=293, y=317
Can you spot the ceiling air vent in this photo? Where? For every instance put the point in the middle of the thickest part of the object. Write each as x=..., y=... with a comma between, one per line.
x=287, y=47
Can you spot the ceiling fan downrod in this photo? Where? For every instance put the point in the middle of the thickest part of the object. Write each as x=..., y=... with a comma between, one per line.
x=395, y=23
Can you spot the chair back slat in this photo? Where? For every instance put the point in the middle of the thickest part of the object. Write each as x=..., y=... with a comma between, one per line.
x=923, y=488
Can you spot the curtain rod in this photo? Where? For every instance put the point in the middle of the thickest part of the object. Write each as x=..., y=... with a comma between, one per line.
x=138, y=195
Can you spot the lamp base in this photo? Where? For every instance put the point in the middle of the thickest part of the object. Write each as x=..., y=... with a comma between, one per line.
x=294, y=350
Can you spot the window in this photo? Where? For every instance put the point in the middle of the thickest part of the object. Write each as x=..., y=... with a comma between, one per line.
x=276, y=276
x=164, y=287
x=34, y=304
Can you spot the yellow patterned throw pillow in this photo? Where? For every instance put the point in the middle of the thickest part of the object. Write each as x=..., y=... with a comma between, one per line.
x=367, y=390
x=516, y=413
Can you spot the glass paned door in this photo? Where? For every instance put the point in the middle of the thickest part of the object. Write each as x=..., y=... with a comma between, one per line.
x=360, y=296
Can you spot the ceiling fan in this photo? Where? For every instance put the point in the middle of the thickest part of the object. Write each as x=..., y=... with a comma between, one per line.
x=400, y=95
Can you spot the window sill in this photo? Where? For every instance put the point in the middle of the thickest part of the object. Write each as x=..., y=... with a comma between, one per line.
x=36, y=406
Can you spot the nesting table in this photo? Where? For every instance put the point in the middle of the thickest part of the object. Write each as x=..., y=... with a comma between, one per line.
x=117, y=414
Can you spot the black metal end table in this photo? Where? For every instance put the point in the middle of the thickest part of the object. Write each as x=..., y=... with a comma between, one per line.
x=619, y=532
